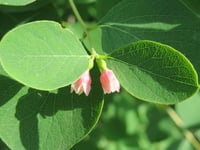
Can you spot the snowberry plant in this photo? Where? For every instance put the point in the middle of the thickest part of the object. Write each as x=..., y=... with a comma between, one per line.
x=53, y=76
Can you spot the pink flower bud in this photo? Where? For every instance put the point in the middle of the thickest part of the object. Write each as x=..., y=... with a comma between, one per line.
x=109, y=81
x=83, y=84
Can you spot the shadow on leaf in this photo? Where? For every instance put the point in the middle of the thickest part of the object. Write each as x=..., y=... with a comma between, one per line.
x=57, y=120
x=8, y=89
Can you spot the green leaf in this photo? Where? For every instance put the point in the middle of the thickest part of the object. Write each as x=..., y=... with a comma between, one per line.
x=103, y=6
x=43, y=55
x=154, y=72
x=33, y=12
x=38, y=120
x=2, y=72
x=193, y=5
x=16, y=2
x=84, y=1
x=29, y=7
x=169, y=22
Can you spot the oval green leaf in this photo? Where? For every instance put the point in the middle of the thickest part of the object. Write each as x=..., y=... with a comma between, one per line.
x=16, y=2
x=154, y=72
x=39, y=120
x=43, y=55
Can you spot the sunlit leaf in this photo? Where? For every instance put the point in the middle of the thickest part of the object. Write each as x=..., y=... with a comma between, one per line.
x=16, y=2
x=43, y=55
x=154, y=72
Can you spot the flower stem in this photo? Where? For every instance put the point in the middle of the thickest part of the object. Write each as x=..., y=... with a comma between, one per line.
x=75, y=10
x=187, y=133
x=80, y=20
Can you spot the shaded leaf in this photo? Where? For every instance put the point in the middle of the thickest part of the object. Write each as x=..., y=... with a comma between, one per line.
x=193, y=5
x=103, y=6
x=169, y=22
x=35, y=119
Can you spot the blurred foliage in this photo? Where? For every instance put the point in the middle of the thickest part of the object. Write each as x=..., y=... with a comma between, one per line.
x=188, y=112
x=129, y=124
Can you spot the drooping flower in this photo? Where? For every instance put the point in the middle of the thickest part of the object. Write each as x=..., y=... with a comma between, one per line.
x=83, y=84
x=109, y=82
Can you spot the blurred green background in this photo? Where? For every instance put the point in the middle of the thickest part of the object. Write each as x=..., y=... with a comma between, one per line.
x=129, y=124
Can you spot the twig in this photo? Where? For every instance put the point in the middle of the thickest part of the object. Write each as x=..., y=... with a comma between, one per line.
x=187, y=133
x=80, y=20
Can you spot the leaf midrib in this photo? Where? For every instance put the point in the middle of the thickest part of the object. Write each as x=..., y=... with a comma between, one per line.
x=50, y=56
x=154, y=74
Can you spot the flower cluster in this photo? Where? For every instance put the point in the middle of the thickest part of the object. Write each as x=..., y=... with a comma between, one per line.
x=108, y=81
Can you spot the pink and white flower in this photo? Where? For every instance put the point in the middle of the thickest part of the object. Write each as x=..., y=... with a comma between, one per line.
x=83, y=84
x=109, y=82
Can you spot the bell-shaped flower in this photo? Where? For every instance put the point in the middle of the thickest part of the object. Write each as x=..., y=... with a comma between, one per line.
x=83, y=84
x=109, y=81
